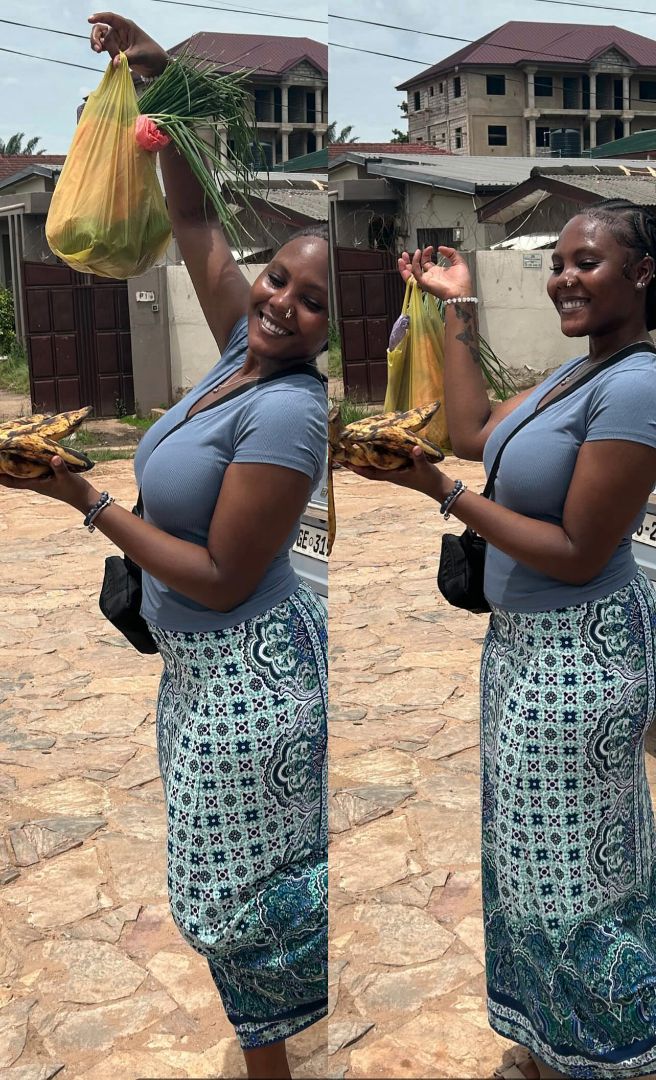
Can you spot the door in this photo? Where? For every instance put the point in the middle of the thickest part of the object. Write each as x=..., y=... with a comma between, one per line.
x=369, y=298
x=78, y=339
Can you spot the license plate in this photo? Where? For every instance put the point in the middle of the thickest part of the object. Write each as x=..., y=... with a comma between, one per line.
x=312, y=541
x=646, y=534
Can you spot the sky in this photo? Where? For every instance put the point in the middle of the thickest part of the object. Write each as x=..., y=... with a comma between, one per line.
x=362, y=87
x=38, y=97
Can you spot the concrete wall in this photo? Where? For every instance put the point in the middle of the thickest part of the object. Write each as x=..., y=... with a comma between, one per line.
x=517, y=317
x=432, y=208
x=151, y=366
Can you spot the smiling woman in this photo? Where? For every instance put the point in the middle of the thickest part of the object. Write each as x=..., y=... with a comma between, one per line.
x=569, y=661
x=224, y=477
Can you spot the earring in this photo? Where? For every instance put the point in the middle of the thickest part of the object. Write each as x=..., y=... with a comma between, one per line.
x=640, y=285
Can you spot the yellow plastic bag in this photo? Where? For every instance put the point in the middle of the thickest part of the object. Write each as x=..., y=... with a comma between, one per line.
x=108, y=216
x=416, y=364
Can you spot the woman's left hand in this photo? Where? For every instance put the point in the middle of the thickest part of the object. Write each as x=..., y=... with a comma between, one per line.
x=66, y=486
x=420, y=475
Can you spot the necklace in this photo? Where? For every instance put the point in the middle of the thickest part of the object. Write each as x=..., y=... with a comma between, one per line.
x=235, y=382
x=589, y=365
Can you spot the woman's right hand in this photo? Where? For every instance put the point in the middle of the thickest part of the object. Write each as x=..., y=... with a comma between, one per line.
x=445, y=282
x=113, y=34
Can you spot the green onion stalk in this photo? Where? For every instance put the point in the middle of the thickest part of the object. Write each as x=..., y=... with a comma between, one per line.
x=194, y=95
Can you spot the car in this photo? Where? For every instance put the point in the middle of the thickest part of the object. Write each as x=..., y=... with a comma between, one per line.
x=310, y=552
x=644, y=540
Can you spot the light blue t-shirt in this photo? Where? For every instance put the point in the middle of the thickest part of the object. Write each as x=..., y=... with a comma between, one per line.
x=283, y=422
x=538, y=464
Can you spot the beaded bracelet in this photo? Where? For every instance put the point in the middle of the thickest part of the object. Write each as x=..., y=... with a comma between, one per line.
x=104, y=501
x=455, y=493
x=462, y=300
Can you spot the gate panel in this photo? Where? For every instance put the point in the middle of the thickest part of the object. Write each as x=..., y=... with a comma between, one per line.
x=78, y=336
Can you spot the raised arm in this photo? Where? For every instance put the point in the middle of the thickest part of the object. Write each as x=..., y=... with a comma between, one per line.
x=469, y=415
x=220, y=286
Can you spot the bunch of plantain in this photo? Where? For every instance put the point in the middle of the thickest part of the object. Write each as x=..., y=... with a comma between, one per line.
x=385, y=441
x=28, y=444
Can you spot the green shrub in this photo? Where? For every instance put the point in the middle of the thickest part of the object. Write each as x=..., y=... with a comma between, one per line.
x=334, y=352
x=14, y=372
x=7, y=325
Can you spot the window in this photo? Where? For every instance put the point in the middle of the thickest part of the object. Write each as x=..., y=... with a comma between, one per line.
x=495, y=84
x=544, y=86
x=647, y=90
x=497, y=135
x=441, y=88
x=439, y=238
x=458, y=138
x=543, y=136
x=432, y=91
x=456, y=86
x=417, y=100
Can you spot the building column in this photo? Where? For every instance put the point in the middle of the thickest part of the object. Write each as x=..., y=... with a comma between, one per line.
x=593, y=134
x=593, y=91
x=530, y=75
x=626, y=91
x=627, y=129
x=318, y=114
x=532, y=141
x=318, y=135
x=284, y=104
x=285, y=146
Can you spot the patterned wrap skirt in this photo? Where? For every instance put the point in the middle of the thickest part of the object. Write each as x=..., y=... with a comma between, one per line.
x=241, y=732
x=569, y=867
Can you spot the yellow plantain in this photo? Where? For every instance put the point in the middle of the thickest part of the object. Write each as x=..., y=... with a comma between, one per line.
x=27, y=445
x=385, y=441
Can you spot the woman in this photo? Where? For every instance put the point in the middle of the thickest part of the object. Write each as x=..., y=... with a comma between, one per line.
x=569, y=662
x=242, y=703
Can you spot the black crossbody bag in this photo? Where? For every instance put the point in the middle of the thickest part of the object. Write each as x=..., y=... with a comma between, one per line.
x=121, y=591
x=461, y=568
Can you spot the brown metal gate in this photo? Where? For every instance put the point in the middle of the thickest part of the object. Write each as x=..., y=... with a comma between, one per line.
x=78, y=338
x=369, y=298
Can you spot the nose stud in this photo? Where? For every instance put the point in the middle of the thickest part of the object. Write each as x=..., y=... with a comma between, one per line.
x=288, y=313
x=568, y=284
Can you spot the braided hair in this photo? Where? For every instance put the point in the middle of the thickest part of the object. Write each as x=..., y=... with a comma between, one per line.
x=634, y=227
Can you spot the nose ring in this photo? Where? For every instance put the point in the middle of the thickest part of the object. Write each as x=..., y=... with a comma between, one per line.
x=568, y=284
x=288, y=313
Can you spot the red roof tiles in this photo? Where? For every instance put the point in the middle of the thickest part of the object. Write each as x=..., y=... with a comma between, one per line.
x=15, y=163
x=255, y=52
x=335, y=149
x=528, y=42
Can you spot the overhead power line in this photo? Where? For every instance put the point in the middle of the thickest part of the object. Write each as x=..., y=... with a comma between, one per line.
x=597, y=7
x=47, y=29
x=241, y=11
x=50, y=60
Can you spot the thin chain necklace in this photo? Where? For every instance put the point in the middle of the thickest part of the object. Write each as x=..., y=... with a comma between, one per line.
x=232, y=381
x=589, y=364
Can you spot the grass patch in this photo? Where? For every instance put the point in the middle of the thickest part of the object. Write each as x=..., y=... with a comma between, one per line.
x=111, y=455
x=80, y=439
x=353, y=408
x=334, y=353
x=142, y=423
x=14, y=372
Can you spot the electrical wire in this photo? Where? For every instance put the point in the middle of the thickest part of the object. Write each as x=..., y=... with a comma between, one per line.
x=50, y=60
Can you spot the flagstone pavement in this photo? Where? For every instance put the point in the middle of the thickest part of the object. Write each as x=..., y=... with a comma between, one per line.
x=406, y=951
x=95, y=980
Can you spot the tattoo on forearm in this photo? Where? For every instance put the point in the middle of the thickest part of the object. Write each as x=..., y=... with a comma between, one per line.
x=468, y=336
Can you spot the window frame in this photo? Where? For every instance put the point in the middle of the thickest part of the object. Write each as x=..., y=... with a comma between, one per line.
x=416, y=96
x=495, y=93
x=458, y=141
x=543, y=91
x=501, y=128
x=646, y=82
x=456, y=79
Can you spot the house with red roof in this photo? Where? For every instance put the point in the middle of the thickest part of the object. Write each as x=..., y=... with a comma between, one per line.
x=288, y=77
x=536, y=89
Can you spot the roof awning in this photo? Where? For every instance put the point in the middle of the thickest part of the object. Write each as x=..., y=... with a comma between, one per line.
x=530, y=242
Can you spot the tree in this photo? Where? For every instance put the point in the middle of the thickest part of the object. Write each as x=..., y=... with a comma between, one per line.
x=399, y=136
x=331, y=137
x=14, y=145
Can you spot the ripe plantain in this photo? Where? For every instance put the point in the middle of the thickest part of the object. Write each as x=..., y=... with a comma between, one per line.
x=384, y=441
x=28, y=444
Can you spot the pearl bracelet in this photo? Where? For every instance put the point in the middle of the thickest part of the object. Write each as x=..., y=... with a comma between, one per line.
x=462, y=300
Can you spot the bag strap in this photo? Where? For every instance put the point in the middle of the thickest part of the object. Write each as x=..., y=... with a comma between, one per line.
x=300, y=369
x=629, y=350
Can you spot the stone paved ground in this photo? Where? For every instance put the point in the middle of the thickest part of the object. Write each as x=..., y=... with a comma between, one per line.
x=95, y=981
x=406, y=961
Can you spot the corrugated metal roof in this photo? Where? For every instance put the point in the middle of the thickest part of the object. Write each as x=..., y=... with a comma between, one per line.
x=375, y=149
x=314, y=162
x=313, y=204
x=639, y=189
x=551, y=43
x=632, y=144
x=261, y=54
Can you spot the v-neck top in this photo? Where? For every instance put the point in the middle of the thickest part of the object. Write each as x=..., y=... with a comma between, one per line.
x=538, y=464
x=283, y=422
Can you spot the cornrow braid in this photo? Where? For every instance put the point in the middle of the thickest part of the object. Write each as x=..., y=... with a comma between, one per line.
x=634, y=227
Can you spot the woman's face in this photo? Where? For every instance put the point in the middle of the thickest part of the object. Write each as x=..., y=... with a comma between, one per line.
x=288, y=316
x=603, y=275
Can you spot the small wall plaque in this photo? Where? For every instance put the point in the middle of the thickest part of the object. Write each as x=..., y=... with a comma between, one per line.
x=532, y=261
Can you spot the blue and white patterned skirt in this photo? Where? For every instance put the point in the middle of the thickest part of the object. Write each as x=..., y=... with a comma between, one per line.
x=569, y=846
x=241, y=731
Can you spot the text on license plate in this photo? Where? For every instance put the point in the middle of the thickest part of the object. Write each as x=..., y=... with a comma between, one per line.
x=312, y=541
x=646, y=534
